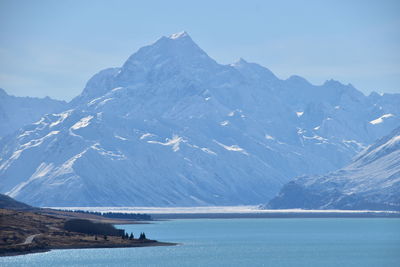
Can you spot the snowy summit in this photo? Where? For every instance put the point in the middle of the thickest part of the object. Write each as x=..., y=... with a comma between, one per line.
x=178, y=35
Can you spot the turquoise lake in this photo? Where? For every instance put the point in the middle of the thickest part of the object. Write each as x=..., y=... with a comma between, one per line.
x=244, y=242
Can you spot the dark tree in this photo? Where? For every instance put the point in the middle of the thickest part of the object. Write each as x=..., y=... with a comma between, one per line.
x=105, y=237
x=95, y=237
x=126, y=236
x=131, y=236
x=142, y=236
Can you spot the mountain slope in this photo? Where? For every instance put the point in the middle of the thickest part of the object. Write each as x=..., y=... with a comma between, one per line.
x=174, y=127
x=7, y=202
x=371, y=181
x=16, y=112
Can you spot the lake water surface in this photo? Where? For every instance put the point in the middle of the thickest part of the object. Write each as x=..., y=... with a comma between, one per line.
x=244, y=242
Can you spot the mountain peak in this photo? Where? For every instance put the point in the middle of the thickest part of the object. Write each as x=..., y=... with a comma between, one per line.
x=175, y=55
x=332, y=82
x=253, y=70
x=239, y=62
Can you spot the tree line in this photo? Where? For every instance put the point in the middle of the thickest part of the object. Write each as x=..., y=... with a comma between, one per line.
x=117, y=215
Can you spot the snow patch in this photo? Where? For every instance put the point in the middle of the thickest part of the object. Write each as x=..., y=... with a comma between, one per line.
x=299, y=113
x=353, y=142
x=235, y=148
x=84, y=122
x=110, y=154
x=316, y=137
x=381, y=118
x=26, y=133
x=120, y=138
x=269, y=137
x=209, y=151
x=144, y=136
x=117, y=89
x=224, y=123
x=174, y=142
x=39, y=121
x=105, y=101
x=178, y=35
x=62, y=116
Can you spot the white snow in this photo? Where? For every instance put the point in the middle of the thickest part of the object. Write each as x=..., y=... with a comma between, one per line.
x=358, y=144
x=299, y=113
x=105, y=101
x=94, y=101
x=209, y=151
x=39, y=121
x=82, y=123
x=109, y=154
x=174, y=142
x=26, y=133
x=224, y=123
x=121, y=138
x=381, y=119
x=144, y=136
x=235, y=148
x=178, y=35
x=62, y=116
x=316, y=137
x=117, y=89
x=269, y=137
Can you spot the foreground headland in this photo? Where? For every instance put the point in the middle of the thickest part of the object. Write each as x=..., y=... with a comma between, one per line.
x=23, y=232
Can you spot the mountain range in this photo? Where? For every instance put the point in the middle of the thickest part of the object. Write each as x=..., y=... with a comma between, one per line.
x=172, y=127
x=16, y=112
x=371, y=181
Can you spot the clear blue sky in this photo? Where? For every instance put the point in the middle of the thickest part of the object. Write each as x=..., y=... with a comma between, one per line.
x=53, y=47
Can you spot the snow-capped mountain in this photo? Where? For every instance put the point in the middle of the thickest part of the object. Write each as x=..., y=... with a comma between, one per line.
x=174, y=127
x=16, y=112
x=371, y=181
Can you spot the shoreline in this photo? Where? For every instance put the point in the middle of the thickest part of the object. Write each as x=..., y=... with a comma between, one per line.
x=150, y=243
x=233, y=212
x=36, y=231
x=292, y=215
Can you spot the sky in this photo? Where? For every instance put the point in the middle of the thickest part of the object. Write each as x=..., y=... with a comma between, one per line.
x=51, y=48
